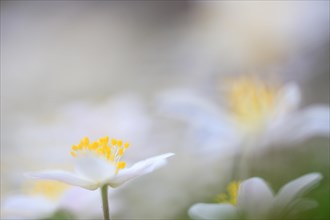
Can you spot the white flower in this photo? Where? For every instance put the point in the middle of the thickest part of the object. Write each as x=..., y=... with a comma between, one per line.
x=47, y=134
x=254, y=199
x=99, y=163
x=43, y=198
x=253, y=113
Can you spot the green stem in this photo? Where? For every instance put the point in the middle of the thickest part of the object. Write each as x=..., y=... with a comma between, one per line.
x=236, y=170
x=105, y=203
x=245, y=161
x=241, y=169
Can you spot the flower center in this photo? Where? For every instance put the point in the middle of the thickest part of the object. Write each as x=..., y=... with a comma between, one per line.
x=231, y=195
x=112, y=151
x=251, y=101
x=50, y=189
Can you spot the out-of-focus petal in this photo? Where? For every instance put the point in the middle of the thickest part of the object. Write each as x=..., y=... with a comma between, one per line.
x=254, y=198
x=289, y=98
x=312, y=121
x=301, y=205
x=295, y=189
x=139, y=169
x=27, y=207
x=209, y=127
x=65, y=177
x=213, y=211
x=304, y=124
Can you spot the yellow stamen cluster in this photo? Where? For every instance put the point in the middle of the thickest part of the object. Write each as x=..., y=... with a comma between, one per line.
x=251, y=101
x=112, y=151
x=231, y=195
x=50, y=189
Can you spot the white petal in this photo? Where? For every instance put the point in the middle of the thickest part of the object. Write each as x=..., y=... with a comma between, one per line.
x=212, y=211
x=313, y=121
x=289, y=98
x=94, y=168
x=65, y=177
x=209, y=127
x=254, y=198
x=295, y=189
x=301, y=205
x=303, y=124
x=139, y=169
x=27, y=207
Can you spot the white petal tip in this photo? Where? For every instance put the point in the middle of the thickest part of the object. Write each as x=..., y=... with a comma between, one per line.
x=168, y=155
x=315, y=177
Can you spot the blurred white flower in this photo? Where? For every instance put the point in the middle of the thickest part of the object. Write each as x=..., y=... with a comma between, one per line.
x=99, y=164
x=255, y=113
x=43, y=198
x=122, y=115
x=254, y=199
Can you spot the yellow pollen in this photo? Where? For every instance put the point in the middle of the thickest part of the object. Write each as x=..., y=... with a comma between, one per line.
x=93, y=146
x=85, y=141
x=50, y=189
x=251, y=101
x=121, y=152
x=80, y=146
x=231, y=195
x=107, y=149
x=73, y=154
x=104, y=140
x=120, y=165
x=101, y=148
x=126, y=145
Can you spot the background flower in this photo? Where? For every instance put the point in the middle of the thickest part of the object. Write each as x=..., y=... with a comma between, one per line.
x=253, y=199
x=253, y=114
x=42, y=199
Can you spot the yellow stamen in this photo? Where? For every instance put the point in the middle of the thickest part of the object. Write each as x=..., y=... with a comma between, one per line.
x=80, y=146
x=74, y=147
x=50, y=189
x=231, y=195
x=93, y=146
x=251, y=101
x=100, y=151
x=85, y=141
x=120, y=165
x=107, y=149
x=104, y=140
x=120, y=152
x=126, y=145
x=101, y=148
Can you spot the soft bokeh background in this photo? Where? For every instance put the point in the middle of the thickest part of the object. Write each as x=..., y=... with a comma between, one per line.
x=71, y=69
